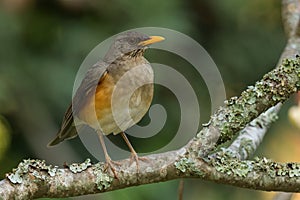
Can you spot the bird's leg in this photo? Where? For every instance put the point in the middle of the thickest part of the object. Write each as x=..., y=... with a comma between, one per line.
x=133, y=153
x=109, y=162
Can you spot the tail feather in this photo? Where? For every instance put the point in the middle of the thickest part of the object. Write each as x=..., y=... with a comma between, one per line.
x=67, y=132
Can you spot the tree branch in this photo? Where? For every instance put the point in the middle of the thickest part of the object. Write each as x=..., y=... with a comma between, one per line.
x=252, y=135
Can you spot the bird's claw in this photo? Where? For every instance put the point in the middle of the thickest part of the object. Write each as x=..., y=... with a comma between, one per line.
x=110, y=164
x=135, y=157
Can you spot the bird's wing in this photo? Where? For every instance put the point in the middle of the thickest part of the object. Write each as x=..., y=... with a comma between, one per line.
x=88, y=85
x=86, y=89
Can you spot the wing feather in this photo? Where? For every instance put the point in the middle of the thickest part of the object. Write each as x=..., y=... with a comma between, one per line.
x=86, y=89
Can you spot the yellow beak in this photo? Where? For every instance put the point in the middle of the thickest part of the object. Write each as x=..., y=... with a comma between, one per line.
x=151, y=40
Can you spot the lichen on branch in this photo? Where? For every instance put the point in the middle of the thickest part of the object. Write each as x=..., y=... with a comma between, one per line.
x=275, y=87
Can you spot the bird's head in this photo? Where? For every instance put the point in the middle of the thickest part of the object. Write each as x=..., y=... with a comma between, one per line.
x=130, y=43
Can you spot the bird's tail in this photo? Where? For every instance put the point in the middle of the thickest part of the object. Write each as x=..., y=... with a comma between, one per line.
x=66, y=132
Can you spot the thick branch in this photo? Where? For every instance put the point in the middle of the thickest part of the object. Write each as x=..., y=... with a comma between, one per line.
x=252, y=135
x=260, y=174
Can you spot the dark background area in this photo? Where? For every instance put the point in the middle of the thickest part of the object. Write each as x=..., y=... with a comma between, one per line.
x=43, y=43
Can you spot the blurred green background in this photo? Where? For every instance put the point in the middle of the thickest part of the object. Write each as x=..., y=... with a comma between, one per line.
x=43, y=43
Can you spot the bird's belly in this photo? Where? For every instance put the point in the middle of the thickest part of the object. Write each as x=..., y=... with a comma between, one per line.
x=125, y=113
x=113, y=115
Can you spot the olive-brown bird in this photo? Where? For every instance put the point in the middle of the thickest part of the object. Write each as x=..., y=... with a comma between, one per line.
x=100, y=101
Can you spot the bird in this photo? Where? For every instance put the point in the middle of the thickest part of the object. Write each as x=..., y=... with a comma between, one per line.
x=123, y=67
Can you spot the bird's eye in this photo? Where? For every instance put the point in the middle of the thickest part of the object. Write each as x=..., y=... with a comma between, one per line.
x=132, y=41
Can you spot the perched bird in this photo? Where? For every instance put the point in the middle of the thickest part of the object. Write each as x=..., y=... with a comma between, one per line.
x=123, y=67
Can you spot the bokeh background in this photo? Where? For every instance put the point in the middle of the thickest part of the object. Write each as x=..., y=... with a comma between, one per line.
x=43, y=43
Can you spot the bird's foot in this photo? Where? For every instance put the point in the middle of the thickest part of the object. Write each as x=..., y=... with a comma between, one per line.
x=136, y=158
x=110, y=164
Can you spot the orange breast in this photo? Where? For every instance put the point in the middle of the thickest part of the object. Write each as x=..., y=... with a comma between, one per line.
x=103, y=95
x=98, y=107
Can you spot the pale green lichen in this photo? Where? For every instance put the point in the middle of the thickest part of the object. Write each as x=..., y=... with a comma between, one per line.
x=233, y=167
x=188, y=165
x=52, y=171
x=103, y=180
x=183, y=164
x=16, y=176
x=35, y=167
x=79, y=167
x=240, y=169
